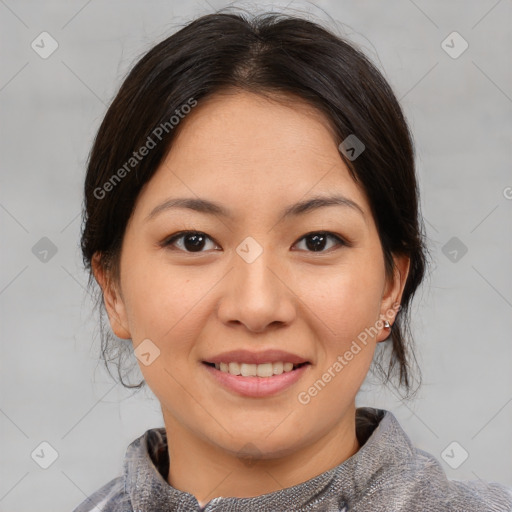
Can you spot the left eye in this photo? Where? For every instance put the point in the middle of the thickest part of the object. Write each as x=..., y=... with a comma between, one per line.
x=317, y=241
x=195, y=241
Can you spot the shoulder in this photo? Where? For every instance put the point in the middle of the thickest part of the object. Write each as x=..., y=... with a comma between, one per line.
x=145, y=460
x=112, y=497
x=483, y=496
x=457, y=495
x=408, y=479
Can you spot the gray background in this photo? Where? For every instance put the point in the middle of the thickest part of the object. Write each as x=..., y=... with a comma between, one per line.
x=52, y=387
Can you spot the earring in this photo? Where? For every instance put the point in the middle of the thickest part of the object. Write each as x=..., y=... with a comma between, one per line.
x=387, y=325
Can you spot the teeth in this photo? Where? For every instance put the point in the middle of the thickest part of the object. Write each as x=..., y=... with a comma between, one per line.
x=253, y=370
x=277, y=368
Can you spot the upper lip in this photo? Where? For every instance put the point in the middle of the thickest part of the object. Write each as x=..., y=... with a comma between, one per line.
x=248, y=357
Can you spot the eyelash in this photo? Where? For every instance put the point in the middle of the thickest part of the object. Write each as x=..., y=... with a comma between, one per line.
x=167, y=243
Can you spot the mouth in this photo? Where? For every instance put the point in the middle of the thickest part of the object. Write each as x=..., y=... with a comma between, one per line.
x=256, y=380
x=251, y=380
x=264, y=370
x=257, y=374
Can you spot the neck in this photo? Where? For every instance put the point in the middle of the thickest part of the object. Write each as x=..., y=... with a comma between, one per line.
x=206, y=470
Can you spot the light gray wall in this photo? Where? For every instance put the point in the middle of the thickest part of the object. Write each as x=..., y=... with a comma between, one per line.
x=460, y=112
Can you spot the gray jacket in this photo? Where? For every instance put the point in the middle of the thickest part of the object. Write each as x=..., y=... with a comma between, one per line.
x=387, y=474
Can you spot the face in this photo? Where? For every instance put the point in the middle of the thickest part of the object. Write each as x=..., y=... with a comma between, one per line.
x=253, y=274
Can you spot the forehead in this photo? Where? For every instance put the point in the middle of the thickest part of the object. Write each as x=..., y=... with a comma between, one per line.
x=245, y=149
x=240, y=124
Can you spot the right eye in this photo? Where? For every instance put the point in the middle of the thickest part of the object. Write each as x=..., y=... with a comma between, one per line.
x=188, y=241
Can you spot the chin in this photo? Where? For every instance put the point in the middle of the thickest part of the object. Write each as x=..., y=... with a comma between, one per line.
x=255, y=451
x=259, y=445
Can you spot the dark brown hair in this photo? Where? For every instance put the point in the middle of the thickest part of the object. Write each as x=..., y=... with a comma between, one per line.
x=280, y=56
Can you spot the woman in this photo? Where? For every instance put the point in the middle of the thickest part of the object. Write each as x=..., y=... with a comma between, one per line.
x=252, y=218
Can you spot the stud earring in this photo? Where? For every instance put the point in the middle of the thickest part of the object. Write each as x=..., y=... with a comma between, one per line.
x=387, y=325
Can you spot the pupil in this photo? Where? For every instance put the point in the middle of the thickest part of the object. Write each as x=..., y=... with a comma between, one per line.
x=318, y=242
x=196, y=244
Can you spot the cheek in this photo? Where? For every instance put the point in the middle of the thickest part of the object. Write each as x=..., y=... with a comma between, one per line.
x=345, y=308
x=167, y=306
x=345, y=305
x=162, y=299
x=345, y=298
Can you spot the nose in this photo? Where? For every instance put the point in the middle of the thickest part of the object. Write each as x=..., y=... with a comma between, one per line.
x=257, y=295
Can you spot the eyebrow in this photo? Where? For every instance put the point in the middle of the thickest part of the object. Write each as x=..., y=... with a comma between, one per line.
x=211, y=208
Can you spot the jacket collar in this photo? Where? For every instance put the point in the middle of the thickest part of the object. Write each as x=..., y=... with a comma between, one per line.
x=384, y=447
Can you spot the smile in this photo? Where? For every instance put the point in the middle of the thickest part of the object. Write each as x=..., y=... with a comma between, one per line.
x=256, y=380
x=257, y=370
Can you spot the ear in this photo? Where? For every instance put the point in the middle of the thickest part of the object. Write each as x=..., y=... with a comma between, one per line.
x=112, y=299
x=392, y=295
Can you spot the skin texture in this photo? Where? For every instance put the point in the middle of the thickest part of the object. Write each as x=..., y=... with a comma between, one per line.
x=255, y=157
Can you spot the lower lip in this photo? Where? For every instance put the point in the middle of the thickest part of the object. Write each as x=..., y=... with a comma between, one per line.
x=257, y=387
